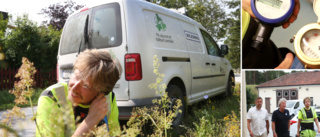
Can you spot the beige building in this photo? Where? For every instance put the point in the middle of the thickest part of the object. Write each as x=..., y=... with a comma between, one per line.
x=294, y=86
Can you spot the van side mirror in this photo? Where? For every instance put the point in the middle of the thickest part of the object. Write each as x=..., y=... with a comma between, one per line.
x=224, y=50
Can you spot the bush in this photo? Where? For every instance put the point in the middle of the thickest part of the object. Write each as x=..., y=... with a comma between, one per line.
x=38, y=44
x=7, y=99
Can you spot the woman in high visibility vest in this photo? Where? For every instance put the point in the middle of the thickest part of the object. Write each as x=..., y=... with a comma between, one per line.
x=75, y=109
x=306, y=117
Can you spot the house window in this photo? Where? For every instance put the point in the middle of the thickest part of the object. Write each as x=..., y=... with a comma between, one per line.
x=285, y=94
x=279, y=94
x=293, y=93
x=311, y=101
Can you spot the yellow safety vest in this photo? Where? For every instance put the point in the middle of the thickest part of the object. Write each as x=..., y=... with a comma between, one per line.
x=304, y=116
x=55, y=115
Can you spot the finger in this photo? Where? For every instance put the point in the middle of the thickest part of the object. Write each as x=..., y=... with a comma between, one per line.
x=296, y=8
x=286, y=63
x=286, y=25
x=292, y=18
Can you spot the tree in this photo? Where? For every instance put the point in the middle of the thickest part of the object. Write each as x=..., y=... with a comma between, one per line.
x=210, y=14
x=233, y=37
x=38, y=44
x=175, y=4
x=3, y=27
x=59, y=13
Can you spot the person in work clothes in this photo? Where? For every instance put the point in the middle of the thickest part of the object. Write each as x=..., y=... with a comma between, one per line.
x=258, y=120
x=306, y=117
x=75, y=109
x=281, y=120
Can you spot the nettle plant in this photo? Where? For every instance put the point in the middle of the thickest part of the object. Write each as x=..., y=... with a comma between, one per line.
x=22, y=91
x=160, y=115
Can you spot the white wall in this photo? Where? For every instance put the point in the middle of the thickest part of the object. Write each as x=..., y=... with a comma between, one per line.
x=313, y=91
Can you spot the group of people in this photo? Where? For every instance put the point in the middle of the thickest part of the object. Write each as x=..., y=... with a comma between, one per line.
x=258, y=120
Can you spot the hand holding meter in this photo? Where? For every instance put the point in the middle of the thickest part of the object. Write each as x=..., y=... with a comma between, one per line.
x=307, y=41
x=270, y=13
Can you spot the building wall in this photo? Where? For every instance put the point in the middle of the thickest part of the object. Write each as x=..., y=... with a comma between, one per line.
x=303, y=91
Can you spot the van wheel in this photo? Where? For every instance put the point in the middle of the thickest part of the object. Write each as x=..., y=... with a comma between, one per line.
x=231, y=85
x=174, y=93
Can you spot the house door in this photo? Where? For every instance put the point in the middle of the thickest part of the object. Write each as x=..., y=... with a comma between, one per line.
x=267, y=104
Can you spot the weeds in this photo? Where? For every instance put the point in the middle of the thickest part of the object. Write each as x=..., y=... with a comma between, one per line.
x=159, y=116
x=217, y=116
x=22, y=90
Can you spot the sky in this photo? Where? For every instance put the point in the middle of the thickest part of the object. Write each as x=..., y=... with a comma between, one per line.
x=33, y=7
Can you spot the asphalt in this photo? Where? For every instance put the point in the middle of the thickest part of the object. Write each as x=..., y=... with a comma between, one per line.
x=25, y=127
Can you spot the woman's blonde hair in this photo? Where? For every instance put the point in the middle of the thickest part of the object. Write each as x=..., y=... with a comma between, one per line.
x=99, y=68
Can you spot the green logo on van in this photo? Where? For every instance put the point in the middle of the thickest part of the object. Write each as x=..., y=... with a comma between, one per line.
x=159, y=23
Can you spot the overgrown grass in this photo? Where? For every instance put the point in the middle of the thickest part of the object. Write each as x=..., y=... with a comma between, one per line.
x=253, y=89
x=212, y=117
x=7, y=99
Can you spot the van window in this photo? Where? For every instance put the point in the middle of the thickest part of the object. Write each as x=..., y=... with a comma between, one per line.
x=290, y=104
x=211, y=45
x=297, y=105
x=106, y=26
x=73, y=33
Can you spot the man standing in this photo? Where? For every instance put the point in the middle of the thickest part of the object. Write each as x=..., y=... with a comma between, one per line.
x=281, y=120
x=306, y=117
x=257, y=119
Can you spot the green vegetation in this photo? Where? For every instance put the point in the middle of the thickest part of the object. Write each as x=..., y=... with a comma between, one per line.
x=216, y=116
x=7, y=99
x=253, y=89
x=26, y=39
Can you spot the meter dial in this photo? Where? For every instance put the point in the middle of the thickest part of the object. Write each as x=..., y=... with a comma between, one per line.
x=277, y=8
x=272, y=12
x=307, y=45
x=310, y=44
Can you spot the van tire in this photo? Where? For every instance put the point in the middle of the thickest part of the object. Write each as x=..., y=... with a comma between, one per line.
x=174, y=93
x=231, y=85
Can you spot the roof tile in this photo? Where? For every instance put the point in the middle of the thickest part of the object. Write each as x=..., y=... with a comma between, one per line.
x=299, y=78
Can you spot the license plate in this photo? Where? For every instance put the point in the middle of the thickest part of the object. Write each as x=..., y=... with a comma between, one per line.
x=66, y=74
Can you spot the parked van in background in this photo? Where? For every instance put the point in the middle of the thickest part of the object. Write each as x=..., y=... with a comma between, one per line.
x=134, y=31
x=294, y=106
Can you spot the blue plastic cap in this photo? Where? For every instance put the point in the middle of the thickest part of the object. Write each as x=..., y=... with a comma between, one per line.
x=272, y=22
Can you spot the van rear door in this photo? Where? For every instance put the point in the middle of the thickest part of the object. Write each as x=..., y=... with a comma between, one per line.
x=105, y=32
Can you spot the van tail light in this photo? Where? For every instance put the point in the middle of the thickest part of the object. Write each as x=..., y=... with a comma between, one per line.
x=133, y=67
x=292, y=122
x=57, y=71
x=84, y=9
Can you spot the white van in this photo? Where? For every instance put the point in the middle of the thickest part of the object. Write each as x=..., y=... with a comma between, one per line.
x=134, y=31
x=294, y=106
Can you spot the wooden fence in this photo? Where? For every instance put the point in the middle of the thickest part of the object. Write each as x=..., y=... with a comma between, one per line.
x=42, y=79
